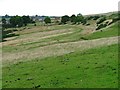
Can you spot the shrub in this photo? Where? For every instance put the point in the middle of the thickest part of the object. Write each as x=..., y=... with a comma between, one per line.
x=84, y=38
x=60, y=23
x=92, y=17
x=57, y=22
x=102, y=19
x=116, y=19
x=35, y=24
x=87, y=24
x=84, y=21
x=80, y=19
x=96, y=17
x=101, y=26
x=47, y=20
x=65, y=19
x=89, y=17
x=73, y=19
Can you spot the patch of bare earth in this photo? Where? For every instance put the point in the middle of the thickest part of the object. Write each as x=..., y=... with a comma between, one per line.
x=57, y=49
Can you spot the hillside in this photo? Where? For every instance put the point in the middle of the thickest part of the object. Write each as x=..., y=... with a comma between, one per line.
x=62, y=56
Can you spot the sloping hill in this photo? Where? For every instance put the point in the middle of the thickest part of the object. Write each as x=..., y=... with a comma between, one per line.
x=62, y=56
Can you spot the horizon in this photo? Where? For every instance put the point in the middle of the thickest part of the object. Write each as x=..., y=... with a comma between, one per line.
x=56, y=8
x=63, y=15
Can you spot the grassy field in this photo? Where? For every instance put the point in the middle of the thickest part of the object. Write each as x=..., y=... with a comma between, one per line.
x=107, y=32
x=61, y=56
x=63, y=33
x=94, y=68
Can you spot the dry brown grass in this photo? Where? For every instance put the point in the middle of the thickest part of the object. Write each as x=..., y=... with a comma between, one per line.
x=57, y=49
x=54, y=49
x=36, y=36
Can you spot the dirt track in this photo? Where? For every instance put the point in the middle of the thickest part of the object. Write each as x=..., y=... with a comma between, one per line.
x=58, y=49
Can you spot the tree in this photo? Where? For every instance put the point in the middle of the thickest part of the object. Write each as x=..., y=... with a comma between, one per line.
x=73, y=19
x=3, y=32
x=100, y=20
x=26, y=20
x=65, y=19
x=92, y=17
x=4, y=24
x=80, y=18
x=115, y=19
x=16, y=21
x=47, y=20
x=7, y=16
x=3, y=21
x=96, y=17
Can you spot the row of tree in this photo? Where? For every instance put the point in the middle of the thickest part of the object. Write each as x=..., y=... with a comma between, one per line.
x=73, y=19
x=16, y=21
x=19, y=21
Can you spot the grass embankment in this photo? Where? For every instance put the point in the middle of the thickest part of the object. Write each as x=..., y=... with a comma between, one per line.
x=94, y=68
x=68, y=37
x=106, y=32
x=76, y=36
x=33, y=40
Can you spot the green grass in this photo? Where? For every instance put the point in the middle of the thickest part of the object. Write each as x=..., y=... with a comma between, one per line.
x=107, y=32
x=68, y=37
x=59, y=39
x=71, y=37
x=75, y=36
x=94, y=68
x=41, y=28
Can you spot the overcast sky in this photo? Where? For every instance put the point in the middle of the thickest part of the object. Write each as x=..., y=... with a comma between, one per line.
x=56, y=7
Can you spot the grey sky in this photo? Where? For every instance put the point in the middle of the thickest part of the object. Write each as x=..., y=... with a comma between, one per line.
x=56, y=7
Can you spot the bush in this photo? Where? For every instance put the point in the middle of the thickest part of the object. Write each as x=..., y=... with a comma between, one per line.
x=116, y=19
x=84, y=21
x=87, y=24
x=60, y=23
x=96, y=17
x=84, y=38
x=73, y=19
x=35, y=24
x=89, y=17
x=101, y=26
x=80, y=19
x=65, y=19
x=92, y=17
x=47, y=20
x=102, y=19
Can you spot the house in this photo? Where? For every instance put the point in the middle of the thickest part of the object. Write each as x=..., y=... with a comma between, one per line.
x=38, y=18
x=55, y=18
